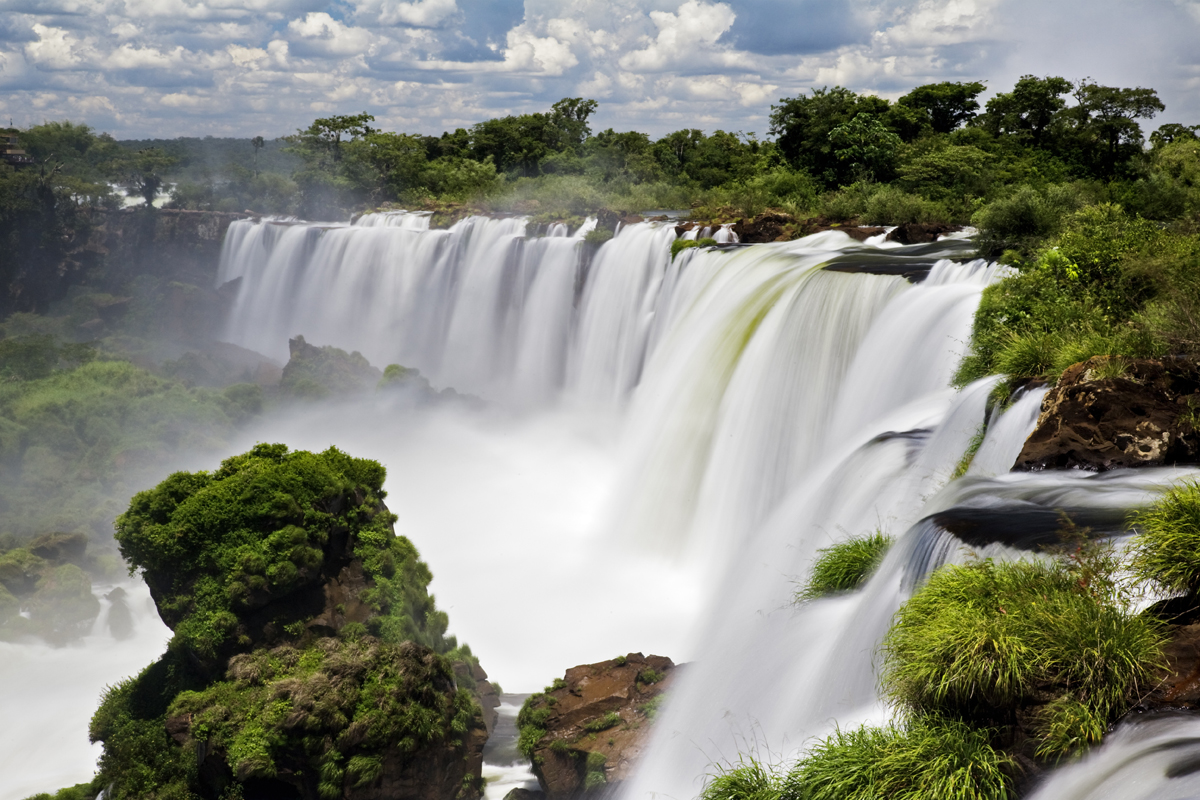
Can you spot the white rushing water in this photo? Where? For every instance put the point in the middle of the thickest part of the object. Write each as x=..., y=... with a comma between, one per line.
x=667, y=444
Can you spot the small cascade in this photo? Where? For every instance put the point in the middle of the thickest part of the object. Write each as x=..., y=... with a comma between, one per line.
x=1152, y=758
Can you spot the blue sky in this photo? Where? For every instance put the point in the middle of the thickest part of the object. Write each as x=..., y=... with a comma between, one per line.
x=165, y=68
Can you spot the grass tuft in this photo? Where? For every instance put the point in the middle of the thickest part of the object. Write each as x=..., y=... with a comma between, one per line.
x=1167, y=549
x=925, y=758
x=844, y=566
x=748, y=779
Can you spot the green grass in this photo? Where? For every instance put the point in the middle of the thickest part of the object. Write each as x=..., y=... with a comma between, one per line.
x=748, y=779
x=1167, y=548
x=844, y=566
x=985, y=638
x=609, y=720
x=923, y=758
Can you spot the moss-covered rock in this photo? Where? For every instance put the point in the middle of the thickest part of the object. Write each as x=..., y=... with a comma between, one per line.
x=315, y=373
x=308, y=660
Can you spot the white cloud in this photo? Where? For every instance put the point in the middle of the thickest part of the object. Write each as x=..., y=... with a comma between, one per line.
x=322, y=32
x=420, y=13
x=55, y=49
x=129, y=57
x=248, y=56
x=683, y=36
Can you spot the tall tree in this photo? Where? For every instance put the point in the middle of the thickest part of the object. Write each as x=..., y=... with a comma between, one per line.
x=948, y=104
x=1028, y=110
x=803, y=124
x=1105, y=120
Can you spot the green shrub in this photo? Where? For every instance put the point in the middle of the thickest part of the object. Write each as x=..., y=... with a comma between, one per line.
x=81, y=791
x=1023, y=218
x=649, y=676
x=891, y=205
x=844, y=566
x=598, y=236
x=683, y=244
x=1166, y=549
x=748, y=779
x=984, y=638
x=924, y=758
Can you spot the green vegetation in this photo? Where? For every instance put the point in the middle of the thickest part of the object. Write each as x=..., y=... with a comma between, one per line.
x=845, y=566
x=1166, y=550
x=984, y=639
x=609, y=720
x=238, y=558
x=749, y=779
x=923, y=758
x=682, y=244
x=215, y=545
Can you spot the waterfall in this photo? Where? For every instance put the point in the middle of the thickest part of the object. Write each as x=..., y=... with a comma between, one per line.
x=760, y=403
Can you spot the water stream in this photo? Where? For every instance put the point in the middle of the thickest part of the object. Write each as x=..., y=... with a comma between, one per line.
x=665, y=446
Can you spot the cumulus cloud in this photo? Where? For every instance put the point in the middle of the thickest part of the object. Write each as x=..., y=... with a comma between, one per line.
x=54, y=49
x=684, y=37
x=170, y=67
x=323, y=34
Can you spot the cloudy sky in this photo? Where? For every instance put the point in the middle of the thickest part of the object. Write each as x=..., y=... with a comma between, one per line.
x=165, y=68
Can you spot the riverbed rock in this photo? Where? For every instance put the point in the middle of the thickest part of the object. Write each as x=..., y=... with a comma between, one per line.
x=1106, y=413
x=920, y=232
x=595, y=723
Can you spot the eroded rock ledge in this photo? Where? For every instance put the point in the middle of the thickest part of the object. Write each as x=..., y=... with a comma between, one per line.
x=1106, y=413
x=588, y=730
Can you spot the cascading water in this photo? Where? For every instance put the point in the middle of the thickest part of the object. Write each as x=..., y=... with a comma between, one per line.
x=770, y=400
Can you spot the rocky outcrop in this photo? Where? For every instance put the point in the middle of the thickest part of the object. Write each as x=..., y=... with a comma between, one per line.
x=1106, y=413
x=585, y=733
x=45, y=589
x=319, y=667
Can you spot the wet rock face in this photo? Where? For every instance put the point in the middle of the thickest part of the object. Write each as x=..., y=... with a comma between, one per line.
x=920, y=232
x=596, y=723
x=1144, y=416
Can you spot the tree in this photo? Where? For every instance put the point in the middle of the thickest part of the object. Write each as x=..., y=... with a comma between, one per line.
x=867, y=145
x=257, y=143
x=143, y=172
x=1173, y=132
x=948, y=104
x=569, y=118
x=803, y=124
x=1104, y=120
x=1028, y=110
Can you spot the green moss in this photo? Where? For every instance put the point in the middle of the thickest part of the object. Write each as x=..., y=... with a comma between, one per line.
x=598, y=236
x=609, y=720
x=353, y=698
x=924, y=758
x=844, y=566
x=682, y=244
x=1166, y=549
x=215, y=546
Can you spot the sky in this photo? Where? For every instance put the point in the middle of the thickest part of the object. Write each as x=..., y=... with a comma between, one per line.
x=167, y=68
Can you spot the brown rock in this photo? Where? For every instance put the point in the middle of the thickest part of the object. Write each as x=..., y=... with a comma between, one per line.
x=920, y=232
x=766, y=227
x=598, y=723
x=1141, y=418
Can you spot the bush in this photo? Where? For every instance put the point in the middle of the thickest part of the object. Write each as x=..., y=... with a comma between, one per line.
x=1166, y=549
x=983, y=639
x=925, y=758
x=844, y=566
x=609, y=720
x=1024, y=218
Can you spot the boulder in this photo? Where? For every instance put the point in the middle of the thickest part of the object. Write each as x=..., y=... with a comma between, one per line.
x=920, y=232
x=592, y=725
x=1106, y=413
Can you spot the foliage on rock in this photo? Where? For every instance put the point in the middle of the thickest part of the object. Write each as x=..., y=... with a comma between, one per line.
x=844, y=566
x=216, y=546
